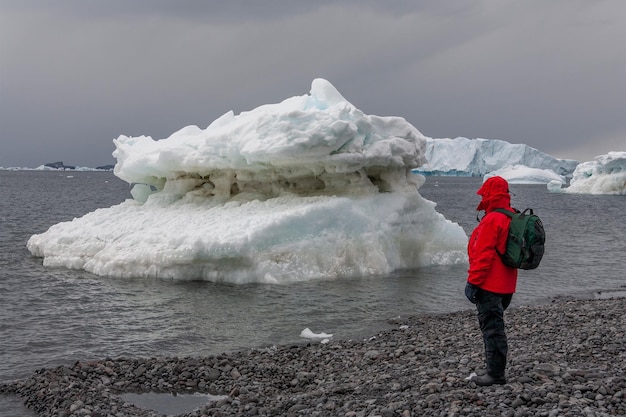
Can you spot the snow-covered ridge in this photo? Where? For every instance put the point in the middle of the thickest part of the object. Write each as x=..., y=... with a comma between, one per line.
x=477, y=157
x=311, y=144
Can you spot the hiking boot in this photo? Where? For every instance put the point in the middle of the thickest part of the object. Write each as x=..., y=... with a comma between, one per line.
x=487, y=380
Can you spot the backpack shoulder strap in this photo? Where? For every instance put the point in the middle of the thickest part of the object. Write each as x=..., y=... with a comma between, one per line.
x=505, y=211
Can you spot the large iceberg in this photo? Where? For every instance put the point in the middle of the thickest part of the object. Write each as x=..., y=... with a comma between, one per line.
x=606, y=174
x=477, y=157
x=307, y=188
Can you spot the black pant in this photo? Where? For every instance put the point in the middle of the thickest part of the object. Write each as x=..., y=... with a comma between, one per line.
x=491, y=308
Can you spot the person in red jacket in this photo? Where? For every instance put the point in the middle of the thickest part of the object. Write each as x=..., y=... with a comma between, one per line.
x=490, y=283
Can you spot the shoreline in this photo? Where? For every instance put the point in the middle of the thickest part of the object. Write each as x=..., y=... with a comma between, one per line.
x=566, y=358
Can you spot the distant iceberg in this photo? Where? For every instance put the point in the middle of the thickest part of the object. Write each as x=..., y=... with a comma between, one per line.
x=606, y=174
x=520, y=174
x=477, y=157
x=307, y=188
x=48, y=167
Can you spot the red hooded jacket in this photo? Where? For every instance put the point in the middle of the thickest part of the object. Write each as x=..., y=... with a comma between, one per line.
x=486, y=269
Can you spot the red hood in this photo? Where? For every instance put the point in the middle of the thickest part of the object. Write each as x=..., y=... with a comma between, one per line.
x=495, y=194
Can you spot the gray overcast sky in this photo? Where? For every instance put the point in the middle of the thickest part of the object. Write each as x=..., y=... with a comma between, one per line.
x=74, y=75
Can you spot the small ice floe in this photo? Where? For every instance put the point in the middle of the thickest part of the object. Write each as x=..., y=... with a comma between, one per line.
x=555, y=186
x=404, y=327
x=472, y=375
x=308, y=334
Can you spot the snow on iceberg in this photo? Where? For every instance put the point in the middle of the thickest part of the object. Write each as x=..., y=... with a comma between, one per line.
x=606, y=174
x=520, y=174
x=303, y=189
x=477, y=157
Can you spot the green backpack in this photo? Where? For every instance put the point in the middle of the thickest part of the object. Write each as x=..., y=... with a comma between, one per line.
x=525, y=244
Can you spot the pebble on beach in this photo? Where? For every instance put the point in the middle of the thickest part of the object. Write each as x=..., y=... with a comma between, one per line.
x=567, y=358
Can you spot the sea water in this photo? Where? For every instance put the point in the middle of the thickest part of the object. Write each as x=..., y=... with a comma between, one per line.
x=56, y=316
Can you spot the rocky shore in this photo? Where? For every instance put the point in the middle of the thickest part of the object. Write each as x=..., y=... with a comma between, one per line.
x=567, y=358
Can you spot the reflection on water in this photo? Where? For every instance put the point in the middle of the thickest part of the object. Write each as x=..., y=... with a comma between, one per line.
x=171, y=404
x=13, y=406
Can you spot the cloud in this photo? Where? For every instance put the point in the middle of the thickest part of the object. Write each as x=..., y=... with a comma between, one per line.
x=595, y=146
x=75, y=75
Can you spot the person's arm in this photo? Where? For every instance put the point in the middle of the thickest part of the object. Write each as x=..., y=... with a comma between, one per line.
x=483, y=250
